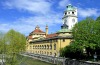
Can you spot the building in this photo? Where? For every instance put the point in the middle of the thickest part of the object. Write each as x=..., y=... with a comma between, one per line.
x=39, y=42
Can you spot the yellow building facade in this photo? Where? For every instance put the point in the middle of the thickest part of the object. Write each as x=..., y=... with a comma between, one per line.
x=50, y=44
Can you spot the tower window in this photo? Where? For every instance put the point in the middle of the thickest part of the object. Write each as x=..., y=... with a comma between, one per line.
x=72, y=12
x=68, y=12
x=65, y=13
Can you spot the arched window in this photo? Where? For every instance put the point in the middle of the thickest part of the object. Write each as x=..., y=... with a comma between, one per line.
x=50, y=53
x=55, y=54
x=30, y=47
x=54, y=46
x=33, y=47
x=50, y=46
x=47, y=46
x=47, y=53
x=40, y=46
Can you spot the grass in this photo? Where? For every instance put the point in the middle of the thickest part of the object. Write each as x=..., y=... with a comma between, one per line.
x=31, y=61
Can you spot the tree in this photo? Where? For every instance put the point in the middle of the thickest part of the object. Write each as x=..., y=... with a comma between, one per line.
x=86, y=33
x=72, y=51
x=98, y=19
x=12, y=44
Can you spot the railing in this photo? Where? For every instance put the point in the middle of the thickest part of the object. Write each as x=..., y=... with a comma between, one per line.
x=59, y=60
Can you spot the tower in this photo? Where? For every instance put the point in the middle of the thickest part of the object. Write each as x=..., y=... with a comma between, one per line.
x=46, y=30
x=70, y=16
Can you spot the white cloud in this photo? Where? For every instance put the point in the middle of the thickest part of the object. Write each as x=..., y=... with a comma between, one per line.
x=26, y=25
x=87, y=12
x=50, y=17
x=64, y=3
x=36, y=6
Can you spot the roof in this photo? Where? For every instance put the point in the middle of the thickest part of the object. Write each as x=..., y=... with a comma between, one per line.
x=57, y=37
x=30, y=37
x=37, y=31
x=51, y=35
x=70, y=7
x=64, y=31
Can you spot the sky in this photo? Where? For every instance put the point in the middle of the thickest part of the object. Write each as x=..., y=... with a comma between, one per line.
x=24, y=15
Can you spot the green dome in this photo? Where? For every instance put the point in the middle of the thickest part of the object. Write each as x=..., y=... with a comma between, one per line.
x=64, y=30
x=70, y=7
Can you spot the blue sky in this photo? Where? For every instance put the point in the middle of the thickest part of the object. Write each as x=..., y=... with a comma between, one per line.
x=24, y=15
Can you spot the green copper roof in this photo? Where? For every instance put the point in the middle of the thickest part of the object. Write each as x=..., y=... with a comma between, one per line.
x=70, y=7
x=63, y=30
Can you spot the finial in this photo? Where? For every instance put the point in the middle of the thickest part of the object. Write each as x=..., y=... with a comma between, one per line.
x=69, y=4
x=46, y=26
x=37, y=27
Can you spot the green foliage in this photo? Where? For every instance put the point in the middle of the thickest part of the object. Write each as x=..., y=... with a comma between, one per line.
x=11, y=44
x=98, y=19
x=72, y=51
x=87, y=31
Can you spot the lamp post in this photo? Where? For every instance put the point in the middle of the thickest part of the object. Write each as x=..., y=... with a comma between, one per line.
x=95, y=56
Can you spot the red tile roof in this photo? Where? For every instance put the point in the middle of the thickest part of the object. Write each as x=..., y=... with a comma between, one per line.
x=51, y=35
x=37, y=31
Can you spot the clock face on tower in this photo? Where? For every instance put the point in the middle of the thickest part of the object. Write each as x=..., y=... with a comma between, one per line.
x=73, y=20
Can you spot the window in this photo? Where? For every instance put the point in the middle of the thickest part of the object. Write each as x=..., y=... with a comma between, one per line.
x=50, y=46
x=40, y=46
x=47, y=46
x=56, y=40
x=47, y=53
x=30, y=47
x=55, y=54
x=65, y=13
x=42, y=52
x=33, y=47
x=72, y=12
x=44, y=46
x=63, y=40
x=54, y=46
x=50, y=53
x=68, y=12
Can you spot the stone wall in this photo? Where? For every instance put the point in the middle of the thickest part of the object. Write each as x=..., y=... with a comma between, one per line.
x=59, y=60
